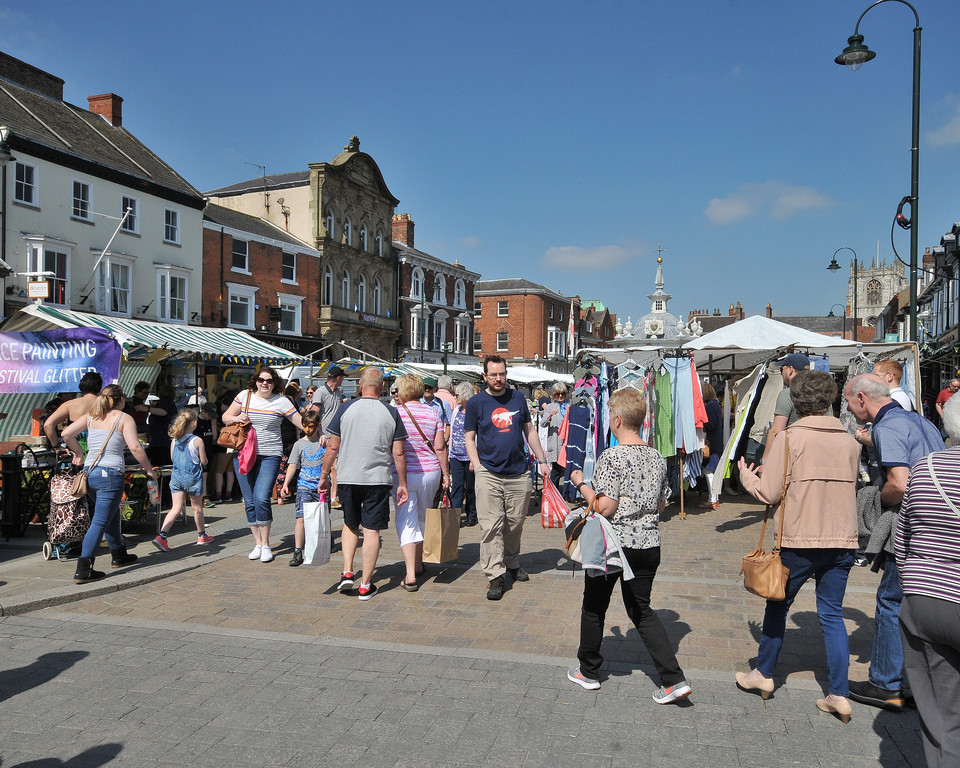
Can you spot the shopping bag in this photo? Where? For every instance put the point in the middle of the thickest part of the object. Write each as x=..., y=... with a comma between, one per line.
x=553, y=509
x=316, y=532
x=441, y=533
x=247, y=456
x=69, y=517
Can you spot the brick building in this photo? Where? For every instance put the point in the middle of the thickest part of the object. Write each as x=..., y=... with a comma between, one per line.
x=596, y=326
x=524, y=322
x=260, y=278
x=436, y=300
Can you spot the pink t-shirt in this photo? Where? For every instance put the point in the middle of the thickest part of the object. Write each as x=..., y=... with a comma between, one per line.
x=419, y=454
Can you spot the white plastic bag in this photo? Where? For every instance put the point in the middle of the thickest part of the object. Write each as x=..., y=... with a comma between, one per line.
x=316, y=530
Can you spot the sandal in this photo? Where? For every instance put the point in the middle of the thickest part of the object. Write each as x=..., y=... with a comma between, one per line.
x=410, y=587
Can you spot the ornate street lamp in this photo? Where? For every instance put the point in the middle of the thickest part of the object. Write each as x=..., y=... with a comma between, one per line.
x=833, y=267
x=854, y=56
x=843, y=335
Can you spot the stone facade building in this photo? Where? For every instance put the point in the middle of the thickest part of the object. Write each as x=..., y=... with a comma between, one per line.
x=344, y=210
x=436, y=302
x=875, y=286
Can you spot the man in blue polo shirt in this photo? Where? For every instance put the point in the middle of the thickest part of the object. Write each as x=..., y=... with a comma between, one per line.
x=495, y=423
x=900, y=439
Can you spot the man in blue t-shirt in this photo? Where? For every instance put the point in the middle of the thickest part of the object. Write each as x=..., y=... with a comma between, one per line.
x=900, y=439
x=495, y=423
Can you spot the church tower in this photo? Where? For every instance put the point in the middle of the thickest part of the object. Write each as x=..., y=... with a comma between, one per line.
x=876, y=285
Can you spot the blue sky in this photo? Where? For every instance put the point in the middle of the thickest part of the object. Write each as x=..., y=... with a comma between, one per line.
x=559, y=142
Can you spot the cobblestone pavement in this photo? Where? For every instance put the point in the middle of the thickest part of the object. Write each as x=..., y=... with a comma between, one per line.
x=242, y=663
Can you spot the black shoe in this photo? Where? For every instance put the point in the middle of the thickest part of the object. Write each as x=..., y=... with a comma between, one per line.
x=297, y=558
x=121, y=558
x=85, y=572
x=518, y=574
x=495, y=592
x=471, y=521
x=869, y=694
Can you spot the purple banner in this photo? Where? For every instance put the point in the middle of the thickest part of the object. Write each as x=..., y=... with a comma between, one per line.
x=54, y=361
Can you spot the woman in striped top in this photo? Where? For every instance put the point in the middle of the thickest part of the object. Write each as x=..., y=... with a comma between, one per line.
x=268, y=408
x=927, y=548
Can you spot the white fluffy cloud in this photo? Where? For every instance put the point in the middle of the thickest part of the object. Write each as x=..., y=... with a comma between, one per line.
x=949, y=132
x=772, y=199
x=570, y=257
x=470, y=241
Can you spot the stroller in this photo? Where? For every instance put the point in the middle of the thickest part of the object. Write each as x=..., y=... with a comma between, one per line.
x=69, y=517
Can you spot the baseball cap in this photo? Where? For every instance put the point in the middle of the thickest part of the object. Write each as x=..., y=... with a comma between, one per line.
x=794, y=360
x=429, y=381
x=336, y=371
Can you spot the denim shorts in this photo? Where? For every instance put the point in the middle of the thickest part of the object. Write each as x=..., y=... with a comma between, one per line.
x=305, y=496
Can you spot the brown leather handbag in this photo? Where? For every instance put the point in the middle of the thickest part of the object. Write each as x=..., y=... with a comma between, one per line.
x=764, y=574
x=235, y=435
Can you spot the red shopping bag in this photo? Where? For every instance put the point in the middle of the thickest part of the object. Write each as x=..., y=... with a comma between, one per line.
x=553, y=509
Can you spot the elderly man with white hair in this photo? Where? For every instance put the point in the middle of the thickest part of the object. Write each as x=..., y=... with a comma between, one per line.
x=900, y=438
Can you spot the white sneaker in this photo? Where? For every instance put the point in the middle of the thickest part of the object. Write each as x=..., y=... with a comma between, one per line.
x=257, y=553
x=266, y=554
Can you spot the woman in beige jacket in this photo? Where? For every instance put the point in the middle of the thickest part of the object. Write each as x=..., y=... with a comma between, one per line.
x=818, y=461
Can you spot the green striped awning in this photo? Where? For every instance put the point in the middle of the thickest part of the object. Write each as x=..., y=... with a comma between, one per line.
x=154, y=342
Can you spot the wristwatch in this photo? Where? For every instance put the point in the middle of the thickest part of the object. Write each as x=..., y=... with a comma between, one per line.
x=577, y=486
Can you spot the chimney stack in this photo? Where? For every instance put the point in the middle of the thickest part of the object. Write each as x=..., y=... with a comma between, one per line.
x=769, y=311
x=108, y=105
x=403, y=229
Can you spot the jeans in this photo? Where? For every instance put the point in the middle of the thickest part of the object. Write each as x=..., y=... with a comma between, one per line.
x=104, y=493
x=256, y=487
x=636, y=599
x=462, y=493
x=886, y=661
x=830, y=568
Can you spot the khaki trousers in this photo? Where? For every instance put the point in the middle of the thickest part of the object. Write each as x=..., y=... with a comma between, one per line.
x=501, y=509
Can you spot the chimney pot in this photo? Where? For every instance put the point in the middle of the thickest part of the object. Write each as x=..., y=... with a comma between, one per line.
x=108, y=105
x=403, y=229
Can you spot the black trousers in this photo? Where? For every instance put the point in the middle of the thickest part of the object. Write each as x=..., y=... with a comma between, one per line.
x=636, y=599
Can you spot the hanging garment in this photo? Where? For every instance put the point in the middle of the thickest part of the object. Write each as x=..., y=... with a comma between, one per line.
x=663, y=426
x=578, y=417
x=763, y=415
x=681, y=390
x=699, y=409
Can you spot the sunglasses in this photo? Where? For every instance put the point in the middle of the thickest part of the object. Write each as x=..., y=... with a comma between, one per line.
x=265, y=381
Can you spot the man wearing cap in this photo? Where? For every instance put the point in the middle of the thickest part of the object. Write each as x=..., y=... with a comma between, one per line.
x=445, y=412
x=784, y=414
x=327, y=400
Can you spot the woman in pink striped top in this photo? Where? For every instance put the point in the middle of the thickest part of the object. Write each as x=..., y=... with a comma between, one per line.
x=427, y=467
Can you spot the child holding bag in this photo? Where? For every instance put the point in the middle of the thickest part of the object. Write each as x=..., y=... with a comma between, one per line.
x=306, y=457
x=189, y=459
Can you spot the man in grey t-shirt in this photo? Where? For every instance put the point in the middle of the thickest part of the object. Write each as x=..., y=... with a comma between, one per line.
x=368, y=437
x=329, y=397
x=326, y=401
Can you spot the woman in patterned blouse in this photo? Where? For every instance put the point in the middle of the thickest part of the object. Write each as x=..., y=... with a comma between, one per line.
x=630, y=488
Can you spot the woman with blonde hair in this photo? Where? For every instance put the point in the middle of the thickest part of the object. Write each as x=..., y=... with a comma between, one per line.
x=427, y=466
x=630, y=490
x=109, y=431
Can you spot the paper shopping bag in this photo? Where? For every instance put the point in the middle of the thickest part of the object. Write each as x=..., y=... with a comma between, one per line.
x=316, y=532
x=441, y=535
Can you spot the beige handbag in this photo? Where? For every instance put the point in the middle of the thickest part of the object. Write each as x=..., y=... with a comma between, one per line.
x=764, y=574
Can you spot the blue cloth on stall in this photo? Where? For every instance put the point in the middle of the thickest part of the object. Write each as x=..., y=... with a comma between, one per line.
x=681, y=388
x=578, y=422
x=821, y=363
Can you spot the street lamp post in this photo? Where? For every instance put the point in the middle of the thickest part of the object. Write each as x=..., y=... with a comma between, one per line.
x=833, y=266
x=854, y=56
x=843, y=335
